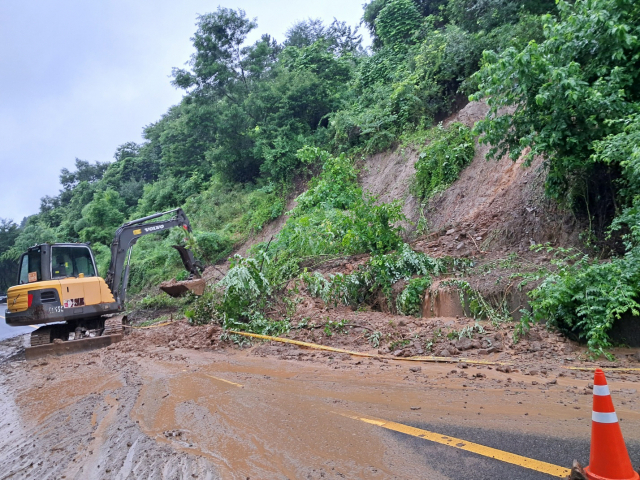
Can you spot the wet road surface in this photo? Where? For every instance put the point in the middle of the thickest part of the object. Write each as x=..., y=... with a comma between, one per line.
x=145, y=409
x=282, y=420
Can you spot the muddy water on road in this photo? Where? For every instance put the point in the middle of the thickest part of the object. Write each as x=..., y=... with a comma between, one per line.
x=285, y=419
x=155, y=412
x=274, y=423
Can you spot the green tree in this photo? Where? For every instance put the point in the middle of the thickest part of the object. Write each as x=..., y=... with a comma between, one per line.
x=84, y=172
x=32, y=233
x=397, y=22
x=102, y=216
x=8, y=267
x=219, y=60
x=477, y=15
x=555, y=98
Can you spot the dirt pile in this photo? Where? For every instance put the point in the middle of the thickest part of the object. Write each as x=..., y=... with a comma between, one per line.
x=178, y=334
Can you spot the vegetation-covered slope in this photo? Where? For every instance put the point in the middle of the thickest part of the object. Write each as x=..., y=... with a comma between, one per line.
x=560, y=80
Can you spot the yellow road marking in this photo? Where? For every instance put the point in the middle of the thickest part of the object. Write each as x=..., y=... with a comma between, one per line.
x=500, y=455
x=225, y=381
x=362, y=354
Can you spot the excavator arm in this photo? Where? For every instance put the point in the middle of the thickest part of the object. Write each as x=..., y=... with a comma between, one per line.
x=126, y=237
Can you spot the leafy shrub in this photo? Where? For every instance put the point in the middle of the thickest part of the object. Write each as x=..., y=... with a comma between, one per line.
x=260, y=324
x=584, y=298
x=409, y=302
x=441, y=161
x=246, y=291
x=211, y=246
x=203, y=310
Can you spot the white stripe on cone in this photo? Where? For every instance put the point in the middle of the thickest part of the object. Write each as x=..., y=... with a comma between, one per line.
x=601, y=390
x=604, y=417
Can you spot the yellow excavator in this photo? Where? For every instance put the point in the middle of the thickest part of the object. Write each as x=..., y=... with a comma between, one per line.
x=59, y=288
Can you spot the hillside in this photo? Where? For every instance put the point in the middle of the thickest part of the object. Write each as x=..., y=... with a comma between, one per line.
x=362, y=178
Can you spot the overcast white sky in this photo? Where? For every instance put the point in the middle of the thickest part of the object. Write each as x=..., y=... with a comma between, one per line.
x=78, y=78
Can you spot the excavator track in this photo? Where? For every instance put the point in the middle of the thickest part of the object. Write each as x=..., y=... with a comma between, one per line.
x=47, y=340
x=41, y=336
x=115, y=325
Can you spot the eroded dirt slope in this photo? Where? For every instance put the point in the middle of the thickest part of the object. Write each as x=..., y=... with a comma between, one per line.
x=500, y=204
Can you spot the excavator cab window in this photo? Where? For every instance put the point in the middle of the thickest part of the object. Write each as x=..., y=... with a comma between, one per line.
x=30, y=270
x=71, y=262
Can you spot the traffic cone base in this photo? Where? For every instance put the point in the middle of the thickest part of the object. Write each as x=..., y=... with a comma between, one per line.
x=609, y=459
x=593, y=476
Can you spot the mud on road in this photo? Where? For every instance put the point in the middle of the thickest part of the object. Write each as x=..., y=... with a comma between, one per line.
x=150, y=408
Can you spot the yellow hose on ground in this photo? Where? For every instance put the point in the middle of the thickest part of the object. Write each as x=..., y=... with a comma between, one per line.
x=430, y=359
x=367, y=355
x=151, y=326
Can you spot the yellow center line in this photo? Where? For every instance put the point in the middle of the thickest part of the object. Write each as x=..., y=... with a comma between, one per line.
x=500, y=455
x=225, y=381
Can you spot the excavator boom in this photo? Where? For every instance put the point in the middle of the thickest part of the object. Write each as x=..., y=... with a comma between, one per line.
x=126, y=237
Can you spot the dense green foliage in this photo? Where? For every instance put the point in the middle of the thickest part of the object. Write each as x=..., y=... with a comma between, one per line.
x=440, y=162
x=378, y=275
x=332, y=218
x=564, y=90
x=409, y=302
x=228, y=151
x=584, y=296
x=574, y=99
x=8, y=268
x=255, y=119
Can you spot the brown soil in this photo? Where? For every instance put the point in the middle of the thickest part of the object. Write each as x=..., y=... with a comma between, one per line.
x=174, y=402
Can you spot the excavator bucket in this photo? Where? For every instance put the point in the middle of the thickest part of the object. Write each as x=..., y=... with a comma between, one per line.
x=196, y=285
x=177, y=289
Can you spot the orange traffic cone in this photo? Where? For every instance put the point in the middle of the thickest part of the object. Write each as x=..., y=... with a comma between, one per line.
x=609, y=459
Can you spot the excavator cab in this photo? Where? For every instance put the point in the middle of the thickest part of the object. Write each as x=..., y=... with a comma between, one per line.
x=58, y=282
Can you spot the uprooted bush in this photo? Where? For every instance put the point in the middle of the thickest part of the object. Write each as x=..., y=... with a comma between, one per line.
x=409, y=302
x=379, y=275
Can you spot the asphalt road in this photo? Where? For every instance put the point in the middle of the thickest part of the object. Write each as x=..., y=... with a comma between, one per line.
x=8, y=332
x=251, y=416
x=459, y=464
